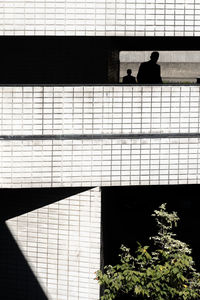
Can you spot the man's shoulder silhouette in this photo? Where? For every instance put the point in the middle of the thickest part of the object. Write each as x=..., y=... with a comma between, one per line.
x=149, y=72
x=129, y=79
x=150, y=64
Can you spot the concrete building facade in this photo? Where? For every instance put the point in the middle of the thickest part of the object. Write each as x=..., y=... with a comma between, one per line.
x=69, y=135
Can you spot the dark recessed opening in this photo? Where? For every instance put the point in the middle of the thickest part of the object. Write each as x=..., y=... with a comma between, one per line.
x=76, y=60
x=126, y=216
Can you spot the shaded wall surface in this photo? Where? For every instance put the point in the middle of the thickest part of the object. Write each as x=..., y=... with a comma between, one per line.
x=17, y=279
x=50, y=243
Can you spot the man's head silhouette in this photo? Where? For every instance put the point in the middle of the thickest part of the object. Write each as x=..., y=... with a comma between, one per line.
x=129, y=71
x=154, y=56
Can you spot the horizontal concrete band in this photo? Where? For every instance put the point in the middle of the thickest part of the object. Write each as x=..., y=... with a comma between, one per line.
x=98, y=136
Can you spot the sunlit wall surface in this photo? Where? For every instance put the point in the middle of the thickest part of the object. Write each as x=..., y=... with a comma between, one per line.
x=112, y=18
x=99, y=135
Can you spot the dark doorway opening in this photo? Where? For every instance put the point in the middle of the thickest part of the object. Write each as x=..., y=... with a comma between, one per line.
x=126, y=217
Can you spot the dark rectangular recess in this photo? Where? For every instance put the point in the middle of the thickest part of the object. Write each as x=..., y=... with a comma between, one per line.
x=126, y=217
x=73, y=60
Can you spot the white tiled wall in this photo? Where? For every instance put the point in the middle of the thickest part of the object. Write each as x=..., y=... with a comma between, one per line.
x=105, y=17
x=61, y=243
x=106, y=162
x=82, y=149
x=99, y=110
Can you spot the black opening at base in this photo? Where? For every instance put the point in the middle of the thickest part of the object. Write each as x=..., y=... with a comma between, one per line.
x=126, y=217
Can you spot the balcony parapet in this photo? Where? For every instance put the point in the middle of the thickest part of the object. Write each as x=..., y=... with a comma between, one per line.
x=54, y=136
x=82, y=110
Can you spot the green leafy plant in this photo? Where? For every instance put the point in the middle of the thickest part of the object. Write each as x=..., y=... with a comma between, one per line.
x=166, y=272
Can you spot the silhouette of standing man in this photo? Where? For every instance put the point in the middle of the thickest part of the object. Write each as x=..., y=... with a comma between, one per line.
x=149, y=72
x=128, y=79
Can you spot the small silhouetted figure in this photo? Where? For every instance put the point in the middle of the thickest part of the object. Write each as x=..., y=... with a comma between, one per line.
x=149, y=72
x=128, y=79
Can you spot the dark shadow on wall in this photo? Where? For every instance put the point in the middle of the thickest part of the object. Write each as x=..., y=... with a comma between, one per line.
x=15, y=202
x=126, y=216
x=17, y=281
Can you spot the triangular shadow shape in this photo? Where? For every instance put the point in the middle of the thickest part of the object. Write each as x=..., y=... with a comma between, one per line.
x=15, y=202
x=17, y=279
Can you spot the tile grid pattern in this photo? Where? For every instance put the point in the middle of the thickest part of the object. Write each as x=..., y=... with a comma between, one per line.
x=100, y=18
x=100, y=162
x=61, y=243
x=99, y=110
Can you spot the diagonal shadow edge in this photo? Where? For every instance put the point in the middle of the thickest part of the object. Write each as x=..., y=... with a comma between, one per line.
x=17, y=279
x=15, y=202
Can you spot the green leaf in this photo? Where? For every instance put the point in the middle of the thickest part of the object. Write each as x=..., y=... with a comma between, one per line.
x=137, y=290
x=165, y=273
